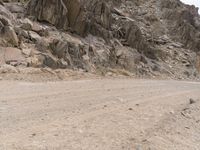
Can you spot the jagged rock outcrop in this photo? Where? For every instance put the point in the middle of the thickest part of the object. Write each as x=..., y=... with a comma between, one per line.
x=144, y=37
x=93, y=16
x=183, y=23
x=75, y=15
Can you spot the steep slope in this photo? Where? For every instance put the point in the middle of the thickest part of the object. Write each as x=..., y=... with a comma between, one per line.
x=153, y=38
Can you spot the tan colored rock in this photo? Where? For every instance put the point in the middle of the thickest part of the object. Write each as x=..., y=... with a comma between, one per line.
x=6, y=13
x=13, y=55
x=27, y=51
x=34, y=61
x=80, y=16
x=36, y=27
x=8, y=69
x=15, y=7
x=2, y=56
x=34, y=36
x=10, y=35
x=43, y=60
x=26, y=24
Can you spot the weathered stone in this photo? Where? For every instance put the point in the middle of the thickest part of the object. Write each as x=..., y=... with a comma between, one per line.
x=27, y=51
x=15, y=7
x=59, y=48
x=36, y=27
x=43, y=60
x=144, y=37
x=49, y=61
x=34, y=36
x=13, y=55
x=8, y=69
x=127, y=58
x=10, y=35
x=35, y=61
x=42, y=45
x=26, y=24
x=79, y=15
x=6, y=13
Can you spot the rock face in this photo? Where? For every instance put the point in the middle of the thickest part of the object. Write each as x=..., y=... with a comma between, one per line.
x=153, y=38
x=98, y=17
x=88, y=16
x=183, y=23
x=76, y=15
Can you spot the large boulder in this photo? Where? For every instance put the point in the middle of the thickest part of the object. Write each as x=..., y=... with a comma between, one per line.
x=69, y=52
x=9, y=55
x=8, y=37
x=7, y=32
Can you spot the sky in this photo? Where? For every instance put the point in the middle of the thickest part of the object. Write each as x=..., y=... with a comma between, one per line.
x=192, y=2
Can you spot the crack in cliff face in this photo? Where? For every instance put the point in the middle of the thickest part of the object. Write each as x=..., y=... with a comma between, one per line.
x=62, y=3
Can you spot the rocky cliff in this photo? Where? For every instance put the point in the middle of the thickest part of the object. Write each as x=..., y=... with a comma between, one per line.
x=143, y=37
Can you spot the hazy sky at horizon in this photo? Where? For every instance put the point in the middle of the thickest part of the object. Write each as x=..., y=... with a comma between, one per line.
x=192, y=2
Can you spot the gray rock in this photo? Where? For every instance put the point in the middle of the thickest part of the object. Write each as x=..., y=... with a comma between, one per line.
x=192, y=101
x=27, y=51
x=34, y=36
x=26, y=24
x=77, y=15
x=10, y=36
x=15, y=7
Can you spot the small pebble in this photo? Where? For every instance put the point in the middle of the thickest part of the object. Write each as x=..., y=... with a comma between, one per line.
x=130, y=109
x=34, y=134
x=192, y=101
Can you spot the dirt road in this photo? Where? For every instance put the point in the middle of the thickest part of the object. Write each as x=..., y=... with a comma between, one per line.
x=106, y=114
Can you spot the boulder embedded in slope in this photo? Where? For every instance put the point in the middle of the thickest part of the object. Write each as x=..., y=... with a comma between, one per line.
x=10, y=35
x=10, y=55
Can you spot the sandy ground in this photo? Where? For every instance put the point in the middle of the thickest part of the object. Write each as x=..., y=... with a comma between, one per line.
x=103, y=114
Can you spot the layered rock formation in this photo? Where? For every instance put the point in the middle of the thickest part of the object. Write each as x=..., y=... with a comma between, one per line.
x=79, y=16
x=144, y=37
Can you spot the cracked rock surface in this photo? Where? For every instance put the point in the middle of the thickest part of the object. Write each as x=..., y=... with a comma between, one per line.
x=145, y=38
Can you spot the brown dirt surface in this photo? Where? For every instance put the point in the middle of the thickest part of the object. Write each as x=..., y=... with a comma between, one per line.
x=100, y=114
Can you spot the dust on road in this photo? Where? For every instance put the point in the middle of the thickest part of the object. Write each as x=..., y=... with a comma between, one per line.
x=103, y=114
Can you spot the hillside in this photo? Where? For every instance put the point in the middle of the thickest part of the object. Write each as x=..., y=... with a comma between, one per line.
x=143, y=38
